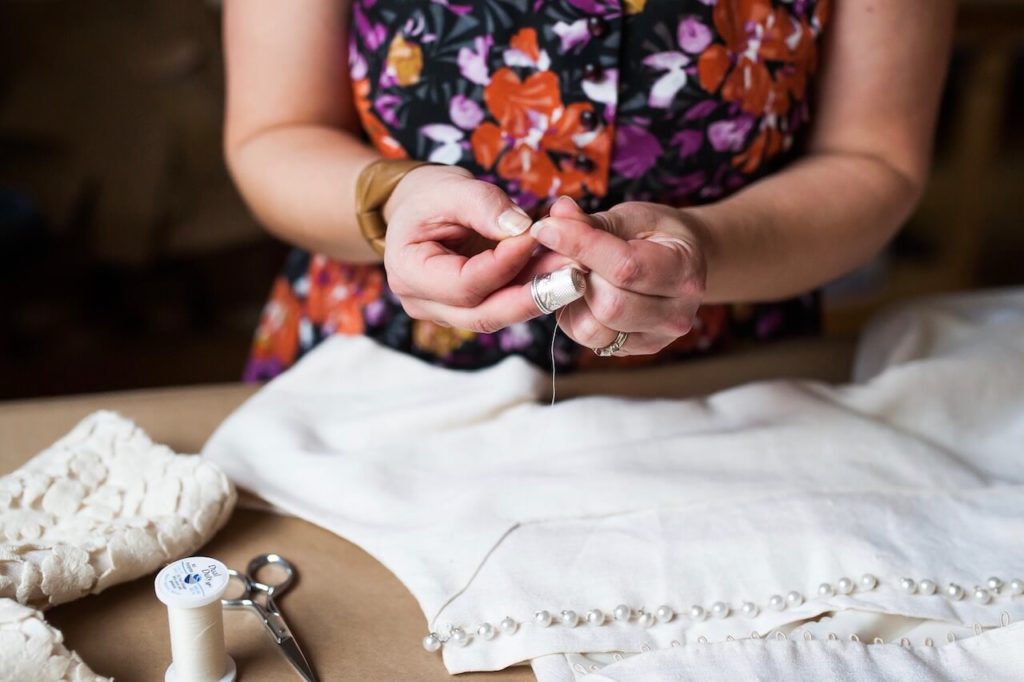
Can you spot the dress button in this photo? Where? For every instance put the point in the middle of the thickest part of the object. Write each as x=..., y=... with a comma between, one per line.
x=597, y=26
x=588, y=119
x=584, y=163
x=592, y=72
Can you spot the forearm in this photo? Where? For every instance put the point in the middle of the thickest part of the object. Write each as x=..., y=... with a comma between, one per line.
x=300, y=183
x=820, y=218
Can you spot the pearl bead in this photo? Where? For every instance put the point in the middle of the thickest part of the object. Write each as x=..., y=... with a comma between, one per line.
x=982, y=595
x=647, y=619
x=749, y=609
x=908, y=585
x=720, y=609
x=826, y=590
x=1017, y=587
x=954, y=592
x=698, y=612
x=595, y=617
x=868, y=581
x=994, y=584
x=432, y=642
x=794, y=598
x=459, y=637
x=927, y=587
x=570, y=619
x=542, y=618
x=777, y=602
x=486, y=631
x=622, y=613
x=845, y=586
x=508, y=626
x=664, y=613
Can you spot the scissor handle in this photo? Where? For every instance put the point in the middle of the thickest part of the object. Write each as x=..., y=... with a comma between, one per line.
x=264, y=560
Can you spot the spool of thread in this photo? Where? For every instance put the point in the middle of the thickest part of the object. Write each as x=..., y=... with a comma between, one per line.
x=192, y=589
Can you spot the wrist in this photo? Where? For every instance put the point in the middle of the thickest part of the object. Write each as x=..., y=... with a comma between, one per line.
x=375, y=186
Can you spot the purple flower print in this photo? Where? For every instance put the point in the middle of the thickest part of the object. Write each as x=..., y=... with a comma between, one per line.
x=688, y=142
x=515, y=337
x=730, y=135
x=636, y=151
x=688, y=184
x=693, y=36
x=473, y=62
x=385, y=107
x=465, y=112
x=572, y=34
x=373, y=34
x=700, y=110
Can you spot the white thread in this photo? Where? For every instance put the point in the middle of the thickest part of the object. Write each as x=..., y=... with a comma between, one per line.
x=197, y=642
x=554, y=335
x=192, y=589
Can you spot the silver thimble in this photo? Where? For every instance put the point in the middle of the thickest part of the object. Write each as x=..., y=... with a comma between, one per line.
x=558, y=289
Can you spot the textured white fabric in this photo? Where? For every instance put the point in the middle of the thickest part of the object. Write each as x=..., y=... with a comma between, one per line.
x=102, y=506
x=487, y=504
x=32, y=651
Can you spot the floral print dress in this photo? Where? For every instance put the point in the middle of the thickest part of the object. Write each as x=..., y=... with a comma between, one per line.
x=681, y=102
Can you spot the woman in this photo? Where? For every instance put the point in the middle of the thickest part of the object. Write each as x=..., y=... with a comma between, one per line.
x=693, y=156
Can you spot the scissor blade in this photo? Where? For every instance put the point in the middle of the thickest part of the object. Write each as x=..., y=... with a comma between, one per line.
x=291, y=649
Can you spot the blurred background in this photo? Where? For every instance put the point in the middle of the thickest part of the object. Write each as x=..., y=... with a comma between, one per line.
x=129, y=261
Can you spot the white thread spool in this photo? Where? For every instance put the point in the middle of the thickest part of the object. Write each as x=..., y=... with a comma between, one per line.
x=192, y=589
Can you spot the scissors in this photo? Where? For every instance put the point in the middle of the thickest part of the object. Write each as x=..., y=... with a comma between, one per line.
x=268, y=611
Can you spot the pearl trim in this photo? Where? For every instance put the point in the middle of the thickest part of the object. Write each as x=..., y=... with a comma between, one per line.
x=993, y=588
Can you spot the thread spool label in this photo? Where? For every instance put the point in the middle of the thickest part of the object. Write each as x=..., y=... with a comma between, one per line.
x=192, y=582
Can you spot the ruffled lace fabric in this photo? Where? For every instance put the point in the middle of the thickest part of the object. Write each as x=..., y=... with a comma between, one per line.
x=31, y=650
x=102, y=506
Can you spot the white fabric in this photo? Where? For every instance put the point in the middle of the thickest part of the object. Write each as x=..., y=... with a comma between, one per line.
x=486, y=503
x=32, y=651
x=102, y=506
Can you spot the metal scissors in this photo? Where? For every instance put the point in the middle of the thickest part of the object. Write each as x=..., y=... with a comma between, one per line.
x=268, y=611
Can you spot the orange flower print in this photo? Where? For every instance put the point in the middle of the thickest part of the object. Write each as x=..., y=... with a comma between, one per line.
x=404, y=61
x=338, y=293
x=755, y=33
x=514, y=102
x=375, y=129
x=277, y=335
x=537, y=140
x=437, y=340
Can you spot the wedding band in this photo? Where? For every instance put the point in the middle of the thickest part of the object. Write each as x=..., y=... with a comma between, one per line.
x=557, y=289
x=615, y=346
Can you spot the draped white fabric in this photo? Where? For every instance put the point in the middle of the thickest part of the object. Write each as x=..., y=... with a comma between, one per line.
x=489, y=505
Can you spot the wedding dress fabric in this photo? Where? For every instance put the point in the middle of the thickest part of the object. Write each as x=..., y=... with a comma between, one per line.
x=102, y=506
x=521, y=527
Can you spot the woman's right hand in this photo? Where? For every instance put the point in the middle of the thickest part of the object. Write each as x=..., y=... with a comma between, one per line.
x=455, y=250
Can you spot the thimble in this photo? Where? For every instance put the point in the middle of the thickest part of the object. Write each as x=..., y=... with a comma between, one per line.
x=558, y=289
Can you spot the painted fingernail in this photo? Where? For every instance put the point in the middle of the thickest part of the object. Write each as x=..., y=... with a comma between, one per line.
x=514, y=221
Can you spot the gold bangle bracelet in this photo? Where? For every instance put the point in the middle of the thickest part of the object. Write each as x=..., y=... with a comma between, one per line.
x=374, y=187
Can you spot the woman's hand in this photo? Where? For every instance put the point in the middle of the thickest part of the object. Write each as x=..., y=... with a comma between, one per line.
x=647, y=272
x=455, y=250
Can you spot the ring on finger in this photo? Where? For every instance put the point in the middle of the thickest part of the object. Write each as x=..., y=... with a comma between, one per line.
x=615, y=346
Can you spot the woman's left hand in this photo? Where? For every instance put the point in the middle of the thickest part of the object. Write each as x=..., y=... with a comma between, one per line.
x=647, y=272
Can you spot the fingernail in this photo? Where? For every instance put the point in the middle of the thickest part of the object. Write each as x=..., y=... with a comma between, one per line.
x=537, y=228
x=514, y=221
x=566, y=197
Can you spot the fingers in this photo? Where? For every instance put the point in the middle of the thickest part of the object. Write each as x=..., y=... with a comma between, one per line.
x=507, y=306
x=581, y=326
x=639, y=265
x=488, y=211
x=429, y=270
x=628, y=311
